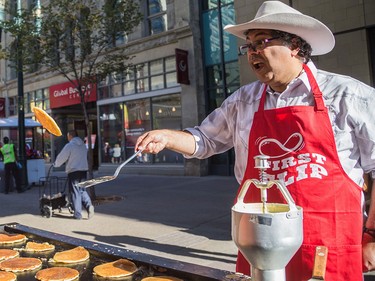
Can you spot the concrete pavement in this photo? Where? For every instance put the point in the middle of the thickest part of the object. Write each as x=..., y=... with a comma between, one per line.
x=175, y=217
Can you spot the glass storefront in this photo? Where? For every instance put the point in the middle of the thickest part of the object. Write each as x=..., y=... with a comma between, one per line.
x=122, y=123
x=221, y=67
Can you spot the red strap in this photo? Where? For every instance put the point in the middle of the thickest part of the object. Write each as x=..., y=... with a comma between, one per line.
x=318, y=96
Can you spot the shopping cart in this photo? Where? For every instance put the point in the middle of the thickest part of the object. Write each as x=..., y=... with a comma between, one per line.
x=53, y=194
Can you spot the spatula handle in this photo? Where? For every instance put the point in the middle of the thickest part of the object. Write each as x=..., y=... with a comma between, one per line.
x=320, y=262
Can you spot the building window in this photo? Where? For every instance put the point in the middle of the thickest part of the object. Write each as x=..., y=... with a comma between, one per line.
x=122, y=123
x=157, y=74
x=38, y=98
x=143, y=77
x=13, y=109
x=221, y=66
x=157, y=16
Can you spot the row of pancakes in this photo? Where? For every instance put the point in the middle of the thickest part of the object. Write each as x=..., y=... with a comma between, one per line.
x=11, y=262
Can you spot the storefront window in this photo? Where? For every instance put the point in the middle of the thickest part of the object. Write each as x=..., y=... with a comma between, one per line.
x=123, y=123
x=137, y=120
x=166, y=112
x=111, y=127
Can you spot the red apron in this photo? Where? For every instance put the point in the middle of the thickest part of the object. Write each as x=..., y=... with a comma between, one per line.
x=300, y=143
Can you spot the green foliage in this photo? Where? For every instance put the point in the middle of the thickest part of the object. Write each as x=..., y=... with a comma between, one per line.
x=77, y=38
x=23, y=27
x=74, y=37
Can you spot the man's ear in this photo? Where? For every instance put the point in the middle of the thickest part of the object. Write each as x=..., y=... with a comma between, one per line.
x=295, y=47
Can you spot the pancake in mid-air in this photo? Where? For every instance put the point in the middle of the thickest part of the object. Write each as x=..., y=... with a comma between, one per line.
x=75, y=255
x=20, y=264
x=6, y=254
x=7, y=276
x=57, y=274
x=116, y=269
x=39, y=247
x=11, y=238
x=47, y=121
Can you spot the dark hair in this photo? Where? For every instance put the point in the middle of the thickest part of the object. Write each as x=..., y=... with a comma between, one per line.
x=294, y=41
x=73, y=133
x=6, y=140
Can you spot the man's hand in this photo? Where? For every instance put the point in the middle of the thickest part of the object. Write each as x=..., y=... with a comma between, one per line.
x=152, y=142
x=368, y=252
x=157, y=140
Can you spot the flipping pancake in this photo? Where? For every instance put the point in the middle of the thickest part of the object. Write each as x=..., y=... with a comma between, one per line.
x=9, y=239
x=47, y=121
x=20, y=264
x=161, y=278
x=39, y=247
x=57, y=274
x=78, y=254
x=6, y=254
x=116, y=269
x=7, y=276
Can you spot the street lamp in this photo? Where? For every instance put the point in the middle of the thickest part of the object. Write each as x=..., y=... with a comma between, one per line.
x=21, y=118
x=21, y=108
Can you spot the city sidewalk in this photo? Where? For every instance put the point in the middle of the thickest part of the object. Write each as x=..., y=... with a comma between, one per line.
x=180, y=218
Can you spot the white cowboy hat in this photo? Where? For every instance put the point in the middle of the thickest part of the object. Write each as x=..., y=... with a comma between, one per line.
x=279, y=16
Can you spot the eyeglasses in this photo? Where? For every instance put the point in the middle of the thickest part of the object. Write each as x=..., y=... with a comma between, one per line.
x=256, y=46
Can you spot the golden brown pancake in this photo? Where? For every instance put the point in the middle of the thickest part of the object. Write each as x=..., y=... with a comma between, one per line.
x=39, y=247
x=7, y=276
x=119, y=268
x=161, y=278
x=6, y=254
x=11, y=238
x=20, y=264
x=78, y=254
x=57, y=274
x=47, y=121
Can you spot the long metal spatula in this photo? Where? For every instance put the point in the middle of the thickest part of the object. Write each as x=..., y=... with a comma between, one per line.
x=320, y=263
x=102, y=179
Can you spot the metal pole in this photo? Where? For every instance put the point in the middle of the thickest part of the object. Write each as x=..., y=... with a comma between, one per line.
x=21, y=120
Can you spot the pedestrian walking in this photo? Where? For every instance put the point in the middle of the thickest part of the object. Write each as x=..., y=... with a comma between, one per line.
x=74, y=155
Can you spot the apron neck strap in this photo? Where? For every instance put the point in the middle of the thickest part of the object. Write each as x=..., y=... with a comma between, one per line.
x=318, y=96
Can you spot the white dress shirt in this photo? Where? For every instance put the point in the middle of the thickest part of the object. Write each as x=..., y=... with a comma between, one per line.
x=351, y=107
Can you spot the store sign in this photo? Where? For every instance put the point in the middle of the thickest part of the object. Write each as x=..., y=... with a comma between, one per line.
x=182, y=66
x=66, y=94
x=2, y=107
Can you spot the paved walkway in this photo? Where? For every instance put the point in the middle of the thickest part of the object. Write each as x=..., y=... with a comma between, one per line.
x=180, y=218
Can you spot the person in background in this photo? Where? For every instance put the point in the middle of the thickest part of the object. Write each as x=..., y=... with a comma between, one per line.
x=107, y=153
x=74, y=154
x=116, y=153
x=317, y=127
x=9, y=155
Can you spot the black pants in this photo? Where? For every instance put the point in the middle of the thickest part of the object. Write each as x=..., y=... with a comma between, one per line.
x=10, y=170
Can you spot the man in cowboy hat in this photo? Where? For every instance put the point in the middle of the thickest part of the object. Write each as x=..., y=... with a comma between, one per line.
x=316, y=127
